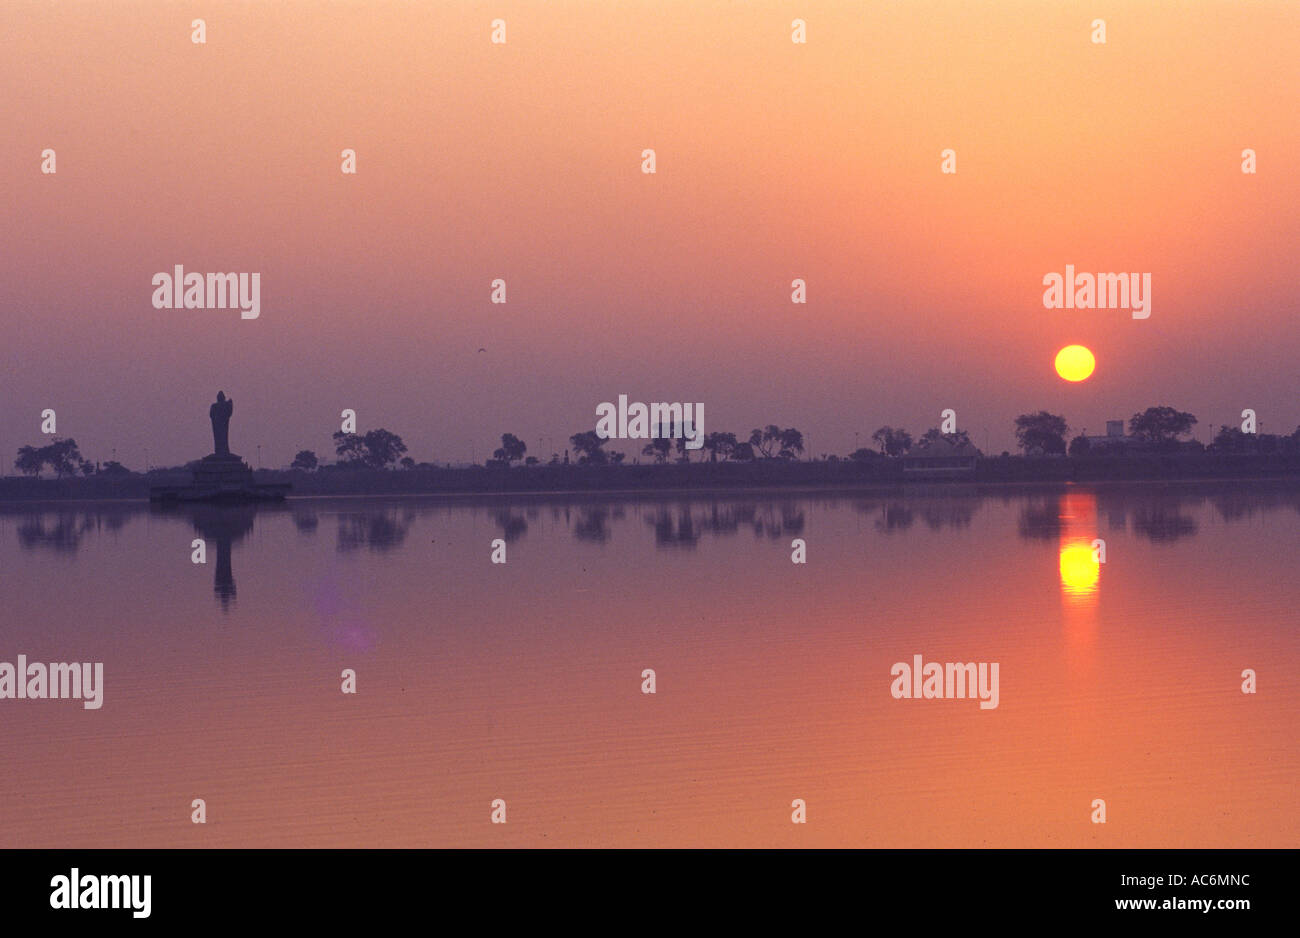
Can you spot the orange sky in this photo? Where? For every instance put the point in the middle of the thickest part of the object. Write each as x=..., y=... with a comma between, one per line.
x=522, y=161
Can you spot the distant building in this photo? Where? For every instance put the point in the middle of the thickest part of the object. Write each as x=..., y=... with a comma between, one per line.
x=941, y=459
x=1114, y=437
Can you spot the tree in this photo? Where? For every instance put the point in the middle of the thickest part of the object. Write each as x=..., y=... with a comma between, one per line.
x=376, y=449
x=1041, y=431
x=588, y=446
x=892, y=442
x=720, y=444
x=305, y=460
x=776, y=443
x=864, y=455
x=1230, y=440
x=1236, y=440
x=511, y=448
x=765, y=440
x=931, y=436
x=350, y=447
x=1079, y=446
x=659, y=447
x=383, y=448
x=62, y=456
x=114, y=468
x=1160, y=424
x=743, y=452
x=30, y=460
x=791, y=443
x=407, y=462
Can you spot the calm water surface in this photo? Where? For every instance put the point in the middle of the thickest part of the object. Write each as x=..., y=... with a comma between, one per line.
x=522, y=681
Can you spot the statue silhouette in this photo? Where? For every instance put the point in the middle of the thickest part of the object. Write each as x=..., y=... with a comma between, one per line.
x=221, y=475
x=220, y=415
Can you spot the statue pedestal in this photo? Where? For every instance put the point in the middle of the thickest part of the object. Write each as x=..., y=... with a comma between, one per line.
x=226, y=473
x=221, y=478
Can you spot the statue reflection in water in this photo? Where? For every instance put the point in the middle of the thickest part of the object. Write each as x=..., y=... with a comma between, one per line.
x=224, y=526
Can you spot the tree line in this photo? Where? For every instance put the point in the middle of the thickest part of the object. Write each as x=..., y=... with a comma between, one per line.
x=64, y=458
x=1041, y=433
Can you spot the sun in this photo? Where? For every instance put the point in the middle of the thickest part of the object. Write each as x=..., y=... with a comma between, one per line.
x=1075, y=363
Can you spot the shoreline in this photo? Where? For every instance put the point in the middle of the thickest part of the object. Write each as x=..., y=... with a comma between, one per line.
x=672, y=481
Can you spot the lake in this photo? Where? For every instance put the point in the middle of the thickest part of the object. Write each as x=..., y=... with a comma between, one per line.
x=522, y=681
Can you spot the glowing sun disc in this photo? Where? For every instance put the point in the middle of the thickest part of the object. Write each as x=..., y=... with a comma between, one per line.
x=1075, y=363
x=1079, y=571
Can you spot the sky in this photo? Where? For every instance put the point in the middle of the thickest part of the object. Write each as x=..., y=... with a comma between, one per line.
x=523, y=161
